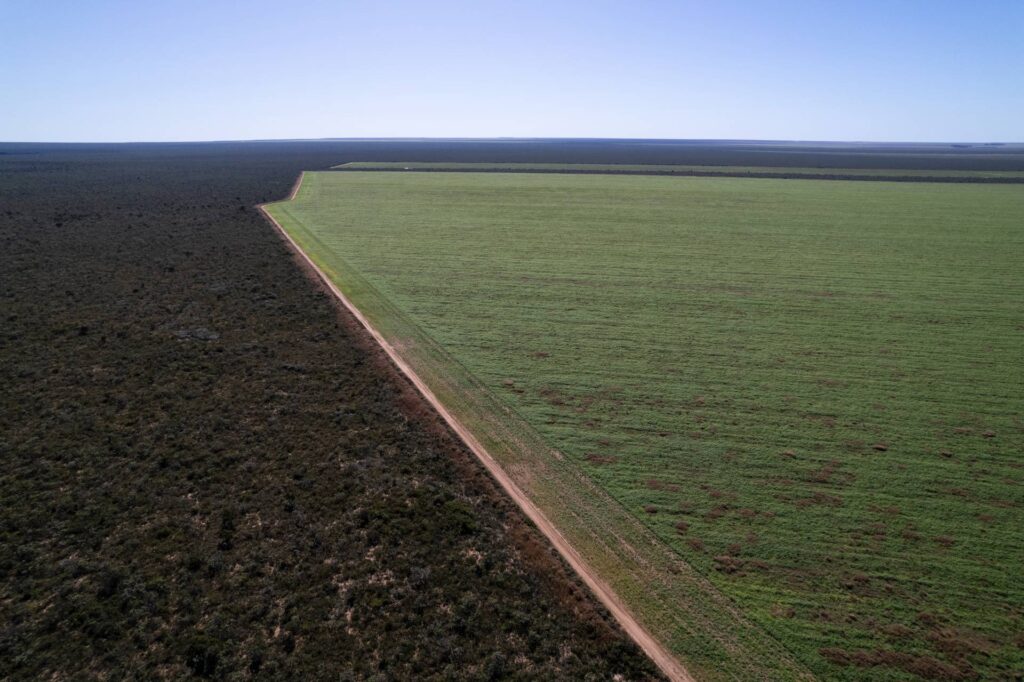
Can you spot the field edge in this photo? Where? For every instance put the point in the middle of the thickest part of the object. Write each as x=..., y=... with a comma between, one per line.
x=676, y=608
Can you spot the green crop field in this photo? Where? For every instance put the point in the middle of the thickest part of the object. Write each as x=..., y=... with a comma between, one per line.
x=681, y=169
x=783, y=418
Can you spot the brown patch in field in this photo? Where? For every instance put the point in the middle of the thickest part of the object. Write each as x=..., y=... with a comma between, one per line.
x=540, y=354
x=552, y=396
x=819, y=499
x=958, y=643
x=717, y=512
x=880, y=447
x=595, y=458
x=782, y=611
x=910, y=534
x=858, y=583
x=944, y=541
x=877, y=530
x=791, y=454
x=922, y=666
x=696, y=544
x=731, y=564
x=896, y=631
x=682, y=527
x=655, y=484
x=826, y=473
x=650, y=509
x=986, y=518
x=825, y=420
x=989, y=434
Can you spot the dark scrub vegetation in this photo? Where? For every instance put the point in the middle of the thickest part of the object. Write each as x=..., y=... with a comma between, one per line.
x=204, y=470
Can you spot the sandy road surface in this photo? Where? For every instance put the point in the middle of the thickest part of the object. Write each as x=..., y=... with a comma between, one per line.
x=664, y=660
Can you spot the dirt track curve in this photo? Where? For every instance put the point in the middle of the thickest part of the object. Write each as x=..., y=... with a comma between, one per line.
x=664, y=660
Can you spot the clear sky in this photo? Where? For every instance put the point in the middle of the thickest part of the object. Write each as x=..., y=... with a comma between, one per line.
x=892, y=70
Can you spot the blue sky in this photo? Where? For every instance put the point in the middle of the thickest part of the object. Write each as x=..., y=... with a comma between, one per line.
x=113, y=70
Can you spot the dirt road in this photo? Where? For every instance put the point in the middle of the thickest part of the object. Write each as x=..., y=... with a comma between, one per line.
x=664, y=660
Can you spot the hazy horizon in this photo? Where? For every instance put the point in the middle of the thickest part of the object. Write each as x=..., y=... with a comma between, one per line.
x=508, y=138
x=116, y=71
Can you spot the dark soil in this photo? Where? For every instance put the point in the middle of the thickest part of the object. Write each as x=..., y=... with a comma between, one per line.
x=206, y=470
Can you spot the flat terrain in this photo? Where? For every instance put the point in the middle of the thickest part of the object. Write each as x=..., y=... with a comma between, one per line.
x=801, y=398
x=206, y=471
x=780, y=172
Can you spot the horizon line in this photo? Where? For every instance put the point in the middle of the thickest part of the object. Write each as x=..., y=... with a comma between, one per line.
x=694, y=140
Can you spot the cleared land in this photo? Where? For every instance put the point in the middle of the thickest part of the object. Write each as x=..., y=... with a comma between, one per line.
x=801, y=398
x=694, y=170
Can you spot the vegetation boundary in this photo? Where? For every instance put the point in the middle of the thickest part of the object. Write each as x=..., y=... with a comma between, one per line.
x=612, y=552
x=665, y=661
